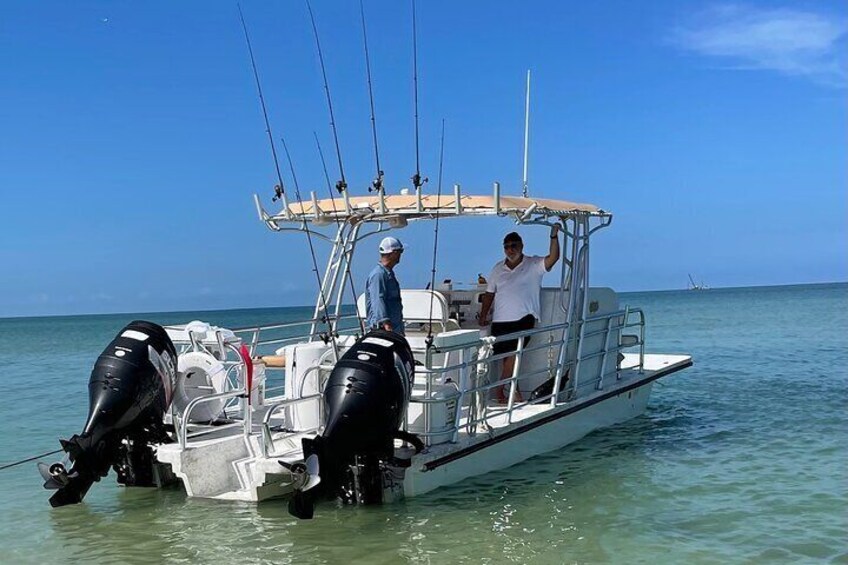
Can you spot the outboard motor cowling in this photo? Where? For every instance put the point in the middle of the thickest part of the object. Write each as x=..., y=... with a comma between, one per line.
x=129, y=392
x=368, y=392
x=365, y=399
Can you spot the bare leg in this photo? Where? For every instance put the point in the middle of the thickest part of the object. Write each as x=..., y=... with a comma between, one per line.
x=506, y=372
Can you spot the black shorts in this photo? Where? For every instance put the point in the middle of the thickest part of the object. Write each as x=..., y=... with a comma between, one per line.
x=503, y=328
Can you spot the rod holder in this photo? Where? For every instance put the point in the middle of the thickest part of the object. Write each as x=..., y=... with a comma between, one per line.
x=346, y=197
x=528, y=212
x=320, y=218
x=497, y=189
x=457, y=199
x=315, y=210
x=265, y=217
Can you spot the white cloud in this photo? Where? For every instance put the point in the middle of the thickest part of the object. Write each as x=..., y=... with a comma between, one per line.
x=789, y=41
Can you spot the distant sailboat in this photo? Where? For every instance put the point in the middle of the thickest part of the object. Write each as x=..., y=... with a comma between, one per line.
x=695, y=286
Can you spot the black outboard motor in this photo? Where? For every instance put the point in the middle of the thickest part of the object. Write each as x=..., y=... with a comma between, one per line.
x=365, y=399
x=129, y=392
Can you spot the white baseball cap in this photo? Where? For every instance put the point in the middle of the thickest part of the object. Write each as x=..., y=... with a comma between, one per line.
x=390, y=244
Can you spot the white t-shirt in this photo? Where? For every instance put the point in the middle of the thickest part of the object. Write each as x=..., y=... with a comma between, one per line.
x=517, y=290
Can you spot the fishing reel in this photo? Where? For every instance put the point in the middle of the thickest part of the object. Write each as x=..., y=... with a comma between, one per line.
x=377, y=183
x=418, y=181
x=278, y=193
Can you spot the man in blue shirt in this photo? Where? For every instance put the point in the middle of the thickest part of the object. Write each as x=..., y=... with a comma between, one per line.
x=383, y=305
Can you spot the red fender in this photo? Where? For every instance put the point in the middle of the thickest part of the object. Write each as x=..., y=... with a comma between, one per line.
x=248, y=363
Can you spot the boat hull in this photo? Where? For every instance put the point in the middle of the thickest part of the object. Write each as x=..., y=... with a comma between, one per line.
x=541, y=434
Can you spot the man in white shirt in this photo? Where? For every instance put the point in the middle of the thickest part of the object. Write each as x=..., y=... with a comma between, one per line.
x=514, y=287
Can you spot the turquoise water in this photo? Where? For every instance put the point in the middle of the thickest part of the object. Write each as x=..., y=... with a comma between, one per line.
x=742, y=458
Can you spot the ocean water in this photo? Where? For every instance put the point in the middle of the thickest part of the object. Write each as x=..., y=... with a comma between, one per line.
x=742, y=458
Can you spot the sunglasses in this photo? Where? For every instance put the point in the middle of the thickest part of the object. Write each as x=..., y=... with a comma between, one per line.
x=513, y=245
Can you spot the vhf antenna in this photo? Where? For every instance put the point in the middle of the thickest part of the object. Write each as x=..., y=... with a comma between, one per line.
x=377, y=183
x=417, y=181
x=341, y=185
x=280, y=189
x=526, y=133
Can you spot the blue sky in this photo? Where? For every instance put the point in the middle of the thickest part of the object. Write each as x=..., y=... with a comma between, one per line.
x=133, y=140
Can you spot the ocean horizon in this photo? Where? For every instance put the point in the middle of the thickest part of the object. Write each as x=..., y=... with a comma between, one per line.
x=350, y=305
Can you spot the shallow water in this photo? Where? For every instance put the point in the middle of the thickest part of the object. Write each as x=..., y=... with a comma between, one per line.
x=741, y=458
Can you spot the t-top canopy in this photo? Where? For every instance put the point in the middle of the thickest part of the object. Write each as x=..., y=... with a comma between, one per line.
x=410, y=206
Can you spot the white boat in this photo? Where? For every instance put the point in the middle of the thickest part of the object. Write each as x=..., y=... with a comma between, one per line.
x=247, y=402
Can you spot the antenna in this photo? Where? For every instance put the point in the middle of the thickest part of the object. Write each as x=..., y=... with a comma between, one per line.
x=417, y=181
x=526, y=133
x=341, y=185
x=280, y=189
x=377, y=183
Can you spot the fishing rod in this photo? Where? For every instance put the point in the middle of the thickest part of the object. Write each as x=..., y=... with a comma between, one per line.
x=28, y=459
x=417, y=181
x=436, y=233
x=338, y=223
x=325, y=317
x=377, y=183
x=280, y=189
x=341, y=185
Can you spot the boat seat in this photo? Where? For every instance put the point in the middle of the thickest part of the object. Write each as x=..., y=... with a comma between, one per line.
x=420, y=306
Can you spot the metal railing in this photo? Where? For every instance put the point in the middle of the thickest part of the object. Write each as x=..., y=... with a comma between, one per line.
x=476, y=382
x=570, y=368
x=251, y=334
x=181, y=422
x=267, y=438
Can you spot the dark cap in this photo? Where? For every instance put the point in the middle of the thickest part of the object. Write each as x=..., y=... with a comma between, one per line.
x=512, y=236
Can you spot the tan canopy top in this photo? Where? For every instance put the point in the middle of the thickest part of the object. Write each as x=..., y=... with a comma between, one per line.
x=408, y=205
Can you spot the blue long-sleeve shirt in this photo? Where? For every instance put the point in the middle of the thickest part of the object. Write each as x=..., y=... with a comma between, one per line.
x=382, y=299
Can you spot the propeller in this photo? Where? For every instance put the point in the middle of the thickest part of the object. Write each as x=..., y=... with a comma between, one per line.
x=306, y=476
x=313, y=478
x=55, y=475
